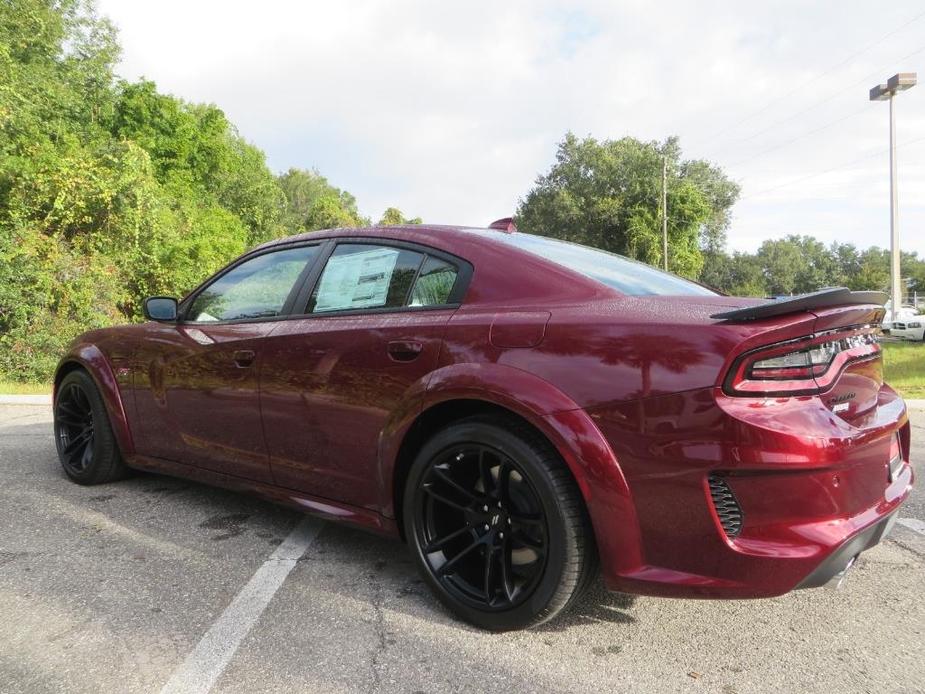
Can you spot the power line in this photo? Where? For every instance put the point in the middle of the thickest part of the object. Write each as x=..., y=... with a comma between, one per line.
x=869, y=76
x=863, y=157
x=825, y=126
x=816, y=78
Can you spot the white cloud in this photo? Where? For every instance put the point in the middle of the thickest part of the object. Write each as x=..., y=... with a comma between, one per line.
x=450, y=110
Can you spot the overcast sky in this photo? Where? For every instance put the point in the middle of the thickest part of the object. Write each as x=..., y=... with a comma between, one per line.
x=450, y=110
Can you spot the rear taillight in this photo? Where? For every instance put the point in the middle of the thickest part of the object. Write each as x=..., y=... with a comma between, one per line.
x=798, y=367
x=894, y=448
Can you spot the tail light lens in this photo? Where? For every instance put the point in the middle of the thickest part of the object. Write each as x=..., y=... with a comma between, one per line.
x=798, y=367
x=896, y=459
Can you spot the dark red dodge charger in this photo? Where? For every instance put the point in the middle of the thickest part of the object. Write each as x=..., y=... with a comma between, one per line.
x=524, y=412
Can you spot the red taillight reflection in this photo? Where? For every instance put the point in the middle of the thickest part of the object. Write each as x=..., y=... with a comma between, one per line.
x=798, y=367
x=895, y=452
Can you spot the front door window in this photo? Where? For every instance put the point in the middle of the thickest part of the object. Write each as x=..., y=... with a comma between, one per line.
x=257, y=288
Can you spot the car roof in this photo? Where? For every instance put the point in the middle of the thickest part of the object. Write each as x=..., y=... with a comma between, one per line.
x=419, y=233
x=502, y=271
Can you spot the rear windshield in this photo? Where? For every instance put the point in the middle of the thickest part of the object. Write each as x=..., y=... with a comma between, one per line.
x=624, y=275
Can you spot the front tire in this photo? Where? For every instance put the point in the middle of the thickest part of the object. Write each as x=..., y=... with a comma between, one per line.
x=86, y=446
x=497, y=525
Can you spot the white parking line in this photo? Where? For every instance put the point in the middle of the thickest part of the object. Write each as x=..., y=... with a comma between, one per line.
x=205, y=664
x=913, y=524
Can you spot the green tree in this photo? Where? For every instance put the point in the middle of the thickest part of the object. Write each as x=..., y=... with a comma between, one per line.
x=739, y=274
x=328, y=212
x=312, y=203
x=394, y=216
x=607, y=194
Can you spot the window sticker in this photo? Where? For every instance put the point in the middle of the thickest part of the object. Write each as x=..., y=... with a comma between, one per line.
x=357, y=280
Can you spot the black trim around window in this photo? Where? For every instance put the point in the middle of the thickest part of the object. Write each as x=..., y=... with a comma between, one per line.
x=296, y=303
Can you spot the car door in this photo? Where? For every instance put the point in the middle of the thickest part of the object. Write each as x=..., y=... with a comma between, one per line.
x=332, y=380
x=196, y=379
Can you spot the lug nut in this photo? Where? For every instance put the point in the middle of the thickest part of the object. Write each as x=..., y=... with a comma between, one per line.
x=486, y=526
x=501, y=535
x=485, y=509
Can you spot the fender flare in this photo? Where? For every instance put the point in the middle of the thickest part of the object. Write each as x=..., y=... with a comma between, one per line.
x=568, y=427
x=89, y=357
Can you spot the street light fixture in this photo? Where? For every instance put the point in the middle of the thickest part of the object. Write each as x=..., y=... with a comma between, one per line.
x=899, y=82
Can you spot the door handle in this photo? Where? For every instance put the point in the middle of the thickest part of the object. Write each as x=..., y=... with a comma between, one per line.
x=405, y=350
x=244, y=358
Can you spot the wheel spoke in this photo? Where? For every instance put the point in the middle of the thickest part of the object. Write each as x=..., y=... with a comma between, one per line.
x=68, y=412
x=78, y=441
x=504, y=481
x=489, y=573
x=87, y=454
x=428, y=489
x=445, y=568
x=442, y=473
x=434, y=545
x=83, y=399
x=77, y=398
x=507, y=583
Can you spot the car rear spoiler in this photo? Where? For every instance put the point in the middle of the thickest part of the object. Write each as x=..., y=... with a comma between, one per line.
x=831, y=296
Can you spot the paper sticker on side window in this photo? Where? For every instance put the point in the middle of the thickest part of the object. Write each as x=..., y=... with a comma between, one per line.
x=358, y=280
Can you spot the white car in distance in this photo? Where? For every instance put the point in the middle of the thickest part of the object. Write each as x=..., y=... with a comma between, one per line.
x=912, y=328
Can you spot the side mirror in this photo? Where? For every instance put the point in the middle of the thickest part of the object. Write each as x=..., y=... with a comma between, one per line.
x=160, y=308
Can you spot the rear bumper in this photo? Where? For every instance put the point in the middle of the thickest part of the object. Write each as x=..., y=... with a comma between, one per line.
x=814, y=491
x=843, y=557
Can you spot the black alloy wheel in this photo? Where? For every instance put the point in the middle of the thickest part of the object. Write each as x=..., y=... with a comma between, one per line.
x=86, y=446
x=74, y=428
x=497, y=524
x=482, y=527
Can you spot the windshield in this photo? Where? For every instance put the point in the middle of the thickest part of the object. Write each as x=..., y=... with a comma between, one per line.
x=620, y=273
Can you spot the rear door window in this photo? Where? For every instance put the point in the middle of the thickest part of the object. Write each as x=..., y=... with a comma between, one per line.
x=362, y=276
x=365, y=277
x=434, y=283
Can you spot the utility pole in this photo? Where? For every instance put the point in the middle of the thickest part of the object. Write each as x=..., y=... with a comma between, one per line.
x=665, y=211
x=886, y=92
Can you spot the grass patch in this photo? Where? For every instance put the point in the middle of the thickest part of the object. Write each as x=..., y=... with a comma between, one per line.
x=904, y=367
x=11, y=388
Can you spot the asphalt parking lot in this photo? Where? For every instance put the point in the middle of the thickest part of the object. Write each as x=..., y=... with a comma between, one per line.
x=140, y=586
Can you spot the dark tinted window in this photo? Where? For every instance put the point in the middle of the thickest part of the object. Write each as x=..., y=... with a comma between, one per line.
x=434, y=283
x=624, y=275
x=365, y=276
x=257, y=288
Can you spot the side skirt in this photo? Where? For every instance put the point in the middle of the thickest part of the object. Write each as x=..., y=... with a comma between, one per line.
x=362, y=518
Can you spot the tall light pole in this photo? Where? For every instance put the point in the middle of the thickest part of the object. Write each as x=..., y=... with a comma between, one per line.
x=885, y=92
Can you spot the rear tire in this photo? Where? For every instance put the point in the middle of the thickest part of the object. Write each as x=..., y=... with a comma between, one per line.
x=87, y=448
x=497, y=524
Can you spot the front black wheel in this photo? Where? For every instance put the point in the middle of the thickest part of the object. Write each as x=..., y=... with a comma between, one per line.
x=497, y=524
x=86, y=446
